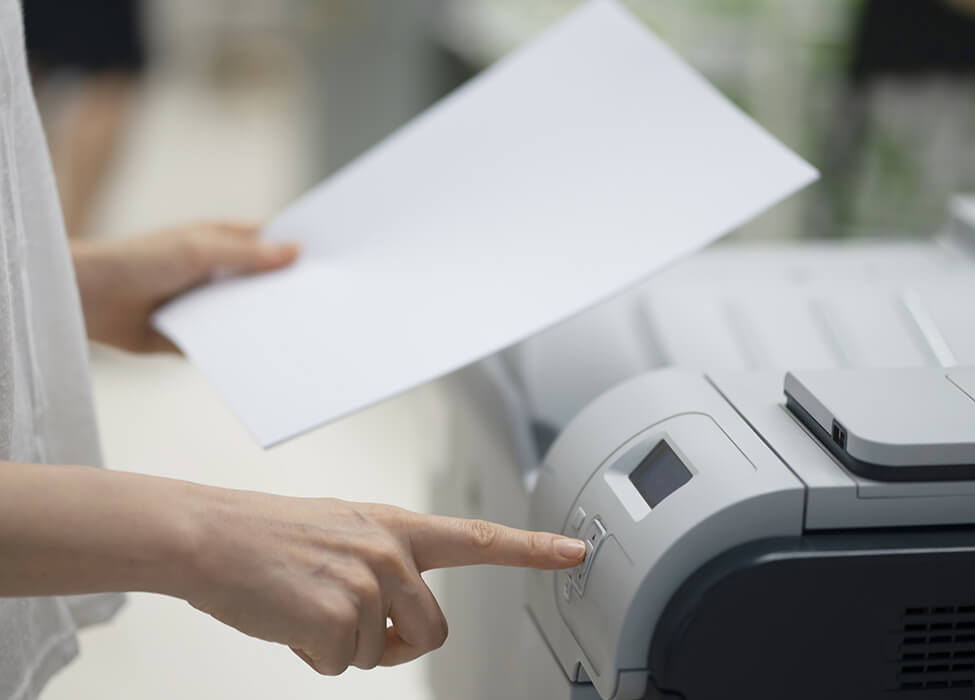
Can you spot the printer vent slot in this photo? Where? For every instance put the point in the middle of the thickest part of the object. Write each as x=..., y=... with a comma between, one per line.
x=936, y=647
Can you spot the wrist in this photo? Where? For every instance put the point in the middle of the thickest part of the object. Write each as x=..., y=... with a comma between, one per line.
x=159, y=533
x=187, y=539
x=208, y=540
x=94, y=277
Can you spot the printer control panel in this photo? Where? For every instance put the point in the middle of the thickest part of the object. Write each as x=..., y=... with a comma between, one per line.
x=643, y=476
x=593, y=533
x=642, y=497
x=653, y=477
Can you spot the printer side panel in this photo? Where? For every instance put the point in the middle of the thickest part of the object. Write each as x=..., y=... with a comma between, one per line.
x=614, y=478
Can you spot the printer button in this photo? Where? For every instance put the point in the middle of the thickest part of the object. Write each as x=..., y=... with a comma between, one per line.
x=587, y=560
x=578, y=518
x=578, y=575
x=595, y=533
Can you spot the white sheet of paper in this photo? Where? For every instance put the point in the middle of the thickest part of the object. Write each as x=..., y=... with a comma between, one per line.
x=567, y=172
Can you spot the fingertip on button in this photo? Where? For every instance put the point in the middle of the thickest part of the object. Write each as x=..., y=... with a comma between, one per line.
x=570, y=549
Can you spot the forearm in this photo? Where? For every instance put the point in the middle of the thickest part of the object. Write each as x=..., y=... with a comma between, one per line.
x=68, y=530
x=320, y=575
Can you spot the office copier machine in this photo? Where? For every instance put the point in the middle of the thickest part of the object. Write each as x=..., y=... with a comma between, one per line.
x=785, y=510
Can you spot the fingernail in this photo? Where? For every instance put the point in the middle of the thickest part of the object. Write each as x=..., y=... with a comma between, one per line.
x=568, y=548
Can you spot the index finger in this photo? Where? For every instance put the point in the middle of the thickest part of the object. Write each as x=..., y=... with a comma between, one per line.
x=439, y=542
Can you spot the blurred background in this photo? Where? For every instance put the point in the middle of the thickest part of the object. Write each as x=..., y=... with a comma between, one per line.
x=159, y=96
x=167, y=110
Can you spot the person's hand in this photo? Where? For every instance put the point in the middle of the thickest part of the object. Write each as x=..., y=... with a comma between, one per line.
x=122, y=281
x=319, y=575
x=322, y=576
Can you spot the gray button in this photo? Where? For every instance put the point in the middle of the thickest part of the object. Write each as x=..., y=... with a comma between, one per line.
x=595, y=532
x=581, y=572
x=578, y=518
x=567, y=589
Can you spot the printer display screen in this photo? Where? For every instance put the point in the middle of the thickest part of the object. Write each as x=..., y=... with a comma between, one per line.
x=659, y=474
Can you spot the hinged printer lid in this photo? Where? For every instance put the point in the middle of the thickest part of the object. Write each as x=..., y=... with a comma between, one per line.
x=891, y=424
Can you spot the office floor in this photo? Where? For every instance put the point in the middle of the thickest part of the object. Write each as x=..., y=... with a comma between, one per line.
x=236, y=157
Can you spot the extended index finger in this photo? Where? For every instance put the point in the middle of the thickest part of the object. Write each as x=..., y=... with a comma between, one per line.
x=439, y=542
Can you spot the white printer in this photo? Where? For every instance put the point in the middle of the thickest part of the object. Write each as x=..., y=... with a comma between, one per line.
x=779, y=535
x=738, y=550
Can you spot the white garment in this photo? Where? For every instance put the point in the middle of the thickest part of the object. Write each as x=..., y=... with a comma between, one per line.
x=46, y=411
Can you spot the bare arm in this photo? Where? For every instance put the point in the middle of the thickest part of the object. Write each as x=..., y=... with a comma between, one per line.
x=83, y=530
x=319, y=575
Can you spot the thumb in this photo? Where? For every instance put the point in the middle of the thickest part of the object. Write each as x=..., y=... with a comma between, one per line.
x=230, y=255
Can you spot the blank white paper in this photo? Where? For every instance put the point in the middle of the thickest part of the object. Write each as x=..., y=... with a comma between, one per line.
x=567, y=172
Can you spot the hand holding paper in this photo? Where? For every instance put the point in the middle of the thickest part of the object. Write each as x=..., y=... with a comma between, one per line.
x=566, y=173
x=156, y=268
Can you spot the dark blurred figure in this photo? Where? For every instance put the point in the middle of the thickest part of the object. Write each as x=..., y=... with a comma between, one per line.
x=913, y=38
x=903, y=136
x=86, y=57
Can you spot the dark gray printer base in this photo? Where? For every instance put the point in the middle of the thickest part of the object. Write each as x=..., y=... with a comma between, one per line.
x=844, y=616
